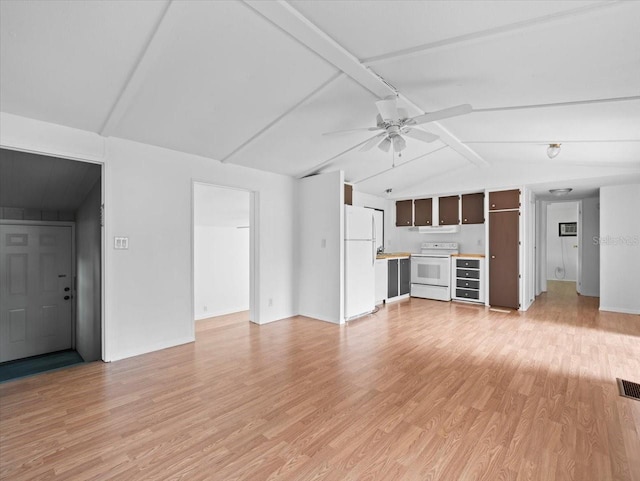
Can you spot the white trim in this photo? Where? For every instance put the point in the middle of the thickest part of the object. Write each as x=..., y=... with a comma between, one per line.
x=622, y=310
x=154, y=347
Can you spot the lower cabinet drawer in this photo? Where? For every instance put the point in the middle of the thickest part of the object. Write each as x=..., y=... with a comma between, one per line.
x=468, y=273
x=468, y=283
x=467, y=294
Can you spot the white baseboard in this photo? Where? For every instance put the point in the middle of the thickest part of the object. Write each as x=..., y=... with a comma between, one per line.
x=151, y=348
x=622, y=310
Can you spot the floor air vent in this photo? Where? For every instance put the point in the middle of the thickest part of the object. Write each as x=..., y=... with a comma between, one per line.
x=629, y=389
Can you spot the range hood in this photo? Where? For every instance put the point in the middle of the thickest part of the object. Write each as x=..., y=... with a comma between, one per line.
x=437, y=229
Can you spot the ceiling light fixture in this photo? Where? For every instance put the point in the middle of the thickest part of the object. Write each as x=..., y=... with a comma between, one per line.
x=559, y=192
x=553, y=150
x=385, y=145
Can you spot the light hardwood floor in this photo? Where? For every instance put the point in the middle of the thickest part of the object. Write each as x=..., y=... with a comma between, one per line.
x=422, y=390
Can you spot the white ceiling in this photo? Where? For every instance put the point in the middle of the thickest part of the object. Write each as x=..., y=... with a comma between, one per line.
x=257, y=83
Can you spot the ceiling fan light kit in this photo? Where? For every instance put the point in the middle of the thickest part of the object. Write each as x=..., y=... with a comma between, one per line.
x=553, y=150
x=395, y=123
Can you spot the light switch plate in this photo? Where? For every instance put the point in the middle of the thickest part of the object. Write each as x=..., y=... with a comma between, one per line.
x=120, y=242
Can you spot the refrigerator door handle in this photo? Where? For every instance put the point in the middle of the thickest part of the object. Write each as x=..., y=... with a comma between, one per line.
x=373, y=242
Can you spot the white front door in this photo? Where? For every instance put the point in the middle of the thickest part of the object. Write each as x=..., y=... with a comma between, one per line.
x=36, y=290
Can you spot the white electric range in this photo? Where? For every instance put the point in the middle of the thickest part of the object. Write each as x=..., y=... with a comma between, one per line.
x=431, y=270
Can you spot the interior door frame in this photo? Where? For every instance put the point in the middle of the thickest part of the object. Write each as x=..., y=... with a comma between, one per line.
x=105, y=343
x=53, y=223
x=254, y=254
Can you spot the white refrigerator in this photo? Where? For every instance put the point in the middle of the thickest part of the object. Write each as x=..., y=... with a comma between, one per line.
x=360, y=257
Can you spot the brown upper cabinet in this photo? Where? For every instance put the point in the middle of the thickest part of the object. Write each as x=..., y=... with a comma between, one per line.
x=473, y=208
x=423, y=212
x=504, y=199
x=348, y=194
x=404, y=213
x=448, y=210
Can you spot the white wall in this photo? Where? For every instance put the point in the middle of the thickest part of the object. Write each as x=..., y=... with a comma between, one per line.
x=619, y=248
x=589, y=228
x=148, y=288
x=562, y=252
x=89, y=277
x=221, y=269
x=470, y=239
x=320, y=250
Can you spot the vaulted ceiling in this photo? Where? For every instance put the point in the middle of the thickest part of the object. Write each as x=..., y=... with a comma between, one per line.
x=257, y=83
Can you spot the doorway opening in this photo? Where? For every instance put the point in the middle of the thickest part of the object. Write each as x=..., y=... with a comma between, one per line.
x=51, y=255
x=562, y=244
x=223, y=255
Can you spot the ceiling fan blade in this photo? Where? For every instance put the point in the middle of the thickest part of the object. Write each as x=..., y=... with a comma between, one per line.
x=364, y=129
x=441, y=114
x=369, y=144
x=421, y=135
x=388, y=109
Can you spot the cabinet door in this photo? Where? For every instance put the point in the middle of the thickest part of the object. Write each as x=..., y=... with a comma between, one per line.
x=448, y=210
x=392, y=285
x=503, y=258
x=504, y=199
x=423, y=212
x=382, y=279
x=348, y=194
x=473, y=208
x=405, y=277
x=404, y=213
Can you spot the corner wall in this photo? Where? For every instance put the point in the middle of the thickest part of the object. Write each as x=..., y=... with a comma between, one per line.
x=619, y=242
x=148, y=198
x=89, y=276
x=589, y=228
x=320, y=221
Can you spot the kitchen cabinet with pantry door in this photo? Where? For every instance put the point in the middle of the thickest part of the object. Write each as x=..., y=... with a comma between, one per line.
x=449, y=213
x=404, y=213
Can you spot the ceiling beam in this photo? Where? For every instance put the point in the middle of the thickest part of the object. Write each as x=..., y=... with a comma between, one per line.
x=483, y=34
x=293, y=23
x=571, y=103
x=153, y=49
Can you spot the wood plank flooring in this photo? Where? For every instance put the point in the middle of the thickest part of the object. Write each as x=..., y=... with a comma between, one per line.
x=422, y=390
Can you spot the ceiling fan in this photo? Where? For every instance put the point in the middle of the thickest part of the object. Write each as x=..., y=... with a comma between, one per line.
x=395, y=123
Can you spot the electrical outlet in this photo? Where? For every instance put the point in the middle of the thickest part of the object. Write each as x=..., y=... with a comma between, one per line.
x=323, y=243
x=205, y=308
x=270, y=302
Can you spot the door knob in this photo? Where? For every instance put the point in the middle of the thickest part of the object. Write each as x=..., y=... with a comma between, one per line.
x=493, y=257
x=66, y=289
x=66, y=298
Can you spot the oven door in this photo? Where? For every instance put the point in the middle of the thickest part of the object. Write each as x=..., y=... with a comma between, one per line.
x=433, y=271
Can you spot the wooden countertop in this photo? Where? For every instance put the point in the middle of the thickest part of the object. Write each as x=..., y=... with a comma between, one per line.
x=393, y=255
x=467, y=255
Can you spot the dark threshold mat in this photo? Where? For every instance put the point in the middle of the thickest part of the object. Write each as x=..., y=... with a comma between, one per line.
x=34, y=365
